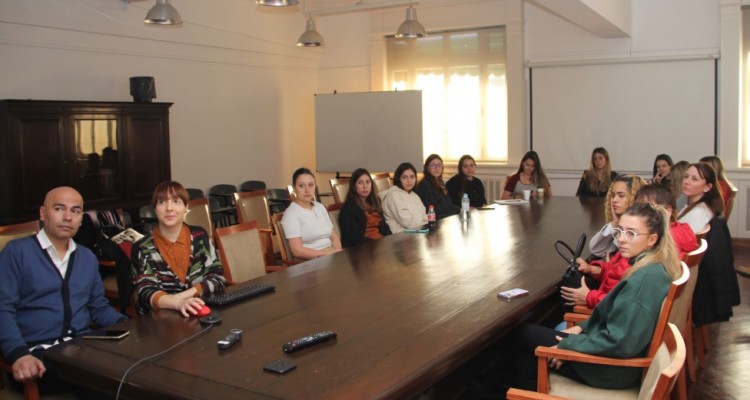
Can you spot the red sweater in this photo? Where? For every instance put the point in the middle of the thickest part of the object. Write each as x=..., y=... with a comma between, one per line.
x=614, y=269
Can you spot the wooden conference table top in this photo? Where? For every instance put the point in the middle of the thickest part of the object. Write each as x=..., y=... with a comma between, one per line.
x=408, y=309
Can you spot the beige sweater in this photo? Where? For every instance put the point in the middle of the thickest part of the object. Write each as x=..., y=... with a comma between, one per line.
x=403, y=210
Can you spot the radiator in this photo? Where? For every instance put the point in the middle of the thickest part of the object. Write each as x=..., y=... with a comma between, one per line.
x=493, y=188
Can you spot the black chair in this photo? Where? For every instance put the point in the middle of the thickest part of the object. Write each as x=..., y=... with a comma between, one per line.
x=249, y=186
x=147, y=215
x=194, y=193
x=224, y=195
x=278, y=200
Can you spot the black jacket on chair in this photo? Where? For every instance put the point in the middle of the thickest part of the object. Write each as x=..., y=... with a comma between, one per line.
x=716, y=290
x=353, y=223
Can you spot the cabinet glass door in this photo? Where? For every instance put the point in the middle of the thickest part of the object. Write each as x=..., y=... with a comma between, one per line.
x=96, y=156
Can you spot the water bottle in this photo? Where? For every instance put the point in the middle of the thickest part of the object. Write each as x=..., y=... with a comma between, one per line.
x=431, y=218
x=465, y=207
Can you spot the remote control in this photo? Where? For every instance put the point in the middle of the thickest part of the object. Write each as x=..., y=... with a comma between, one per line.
x=232, y=338
x=307, y=341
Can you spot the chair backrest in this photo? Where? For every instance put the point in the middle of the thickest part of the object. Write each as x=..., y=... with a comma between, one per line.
x=382, y=181
x=287, y=257
x=224, y=192
x=676, y=289
x=249, y=186
x=339, y=187
x=665, y=367
x=199, y=214
x=702, y=234
x=253, y=206
x=278, y=200
x=10, y=232
x=333, y=212
x=194, y=193
x=241, y=251
x=683, y=304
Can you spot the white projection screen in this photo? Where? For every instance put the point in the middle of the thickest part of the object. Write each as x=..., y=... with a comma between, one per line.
x=635, y=110
x=373, y=130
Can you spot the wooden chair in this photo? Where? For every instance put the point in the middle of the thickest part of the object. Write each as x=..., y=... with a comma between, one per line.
x=333, y=212
x=339, y=187
x=287, y=258
x=241, y=251
x=730, y=203
x=199, y=214
x=10, y=232
x=702, y=234
x=253, y=206
x=382, y=181
x=560, y=384
x=681, y=316
x=663, y=370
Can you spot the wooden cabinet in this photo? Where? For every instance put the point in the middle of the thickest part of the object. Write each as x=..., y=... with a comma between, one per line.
x=114, y=153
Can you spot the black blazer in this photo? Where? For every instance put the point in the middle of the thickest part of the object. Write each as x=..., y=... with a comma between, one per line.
x=441, y=201
x=353, y=223
x=717, y=289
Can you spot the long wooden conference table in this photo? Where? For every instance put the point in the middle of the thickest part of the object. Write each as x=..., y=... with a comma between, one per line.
x=408, y=309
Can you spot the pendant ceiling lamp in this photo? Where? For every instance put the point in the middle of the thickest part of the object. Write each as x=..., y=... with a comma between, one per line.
x=311, y=37
x=277, y=3
x=411, y=28
x=163, y=14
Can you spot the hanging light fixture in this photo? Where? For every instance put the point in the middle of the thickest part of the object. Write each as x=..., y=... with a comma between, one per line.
x=277, y=3
x=411, y=28
x=311, y=37
x=163, y=14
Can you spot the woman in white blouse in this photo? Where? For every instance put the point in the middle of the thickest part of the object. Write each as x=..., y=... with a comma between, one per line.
x=403, y=209
x=704, y=200
x=306, y=223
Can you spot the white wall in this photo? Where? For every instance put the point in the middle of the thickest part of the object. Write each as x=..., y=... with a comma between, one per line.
x=242, y=91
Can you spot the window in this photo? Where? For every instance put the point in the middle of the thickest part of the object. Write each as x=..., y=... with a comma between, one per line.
x=462, y=77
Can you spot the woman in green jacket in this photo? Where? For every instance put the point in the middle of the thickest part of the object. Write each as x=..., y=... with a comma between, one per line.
x=622, y=324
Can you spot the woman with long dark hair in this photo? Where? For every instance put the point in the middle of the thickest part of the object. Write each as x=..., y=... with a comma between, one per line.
x=432, y=190
x=704, y=199
x=361, y=217
x=465, y=182
x=662, y=170
x=530, y=176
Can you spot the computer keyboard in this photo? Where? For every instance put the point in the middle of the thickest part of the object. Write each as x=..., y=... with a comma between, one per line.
x=229, y=297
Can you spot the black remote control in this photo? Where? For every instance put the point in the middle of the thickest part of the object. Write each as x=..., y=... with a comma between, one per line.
x=307, y=341
x=232, y=338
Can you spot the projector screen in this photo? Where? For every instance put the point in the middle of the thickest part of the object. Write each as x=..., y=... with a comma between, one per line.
x=373, y=130
x=635, y=110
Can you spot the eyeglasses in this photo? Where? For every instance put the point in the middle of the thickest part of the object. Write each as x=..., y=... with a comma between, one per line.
x=627, y=234
x=435, y=165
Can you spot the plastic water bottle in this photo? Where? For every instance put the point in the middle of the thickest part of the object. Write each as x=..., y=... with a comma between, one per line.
x=465, y=207
x=431, y=218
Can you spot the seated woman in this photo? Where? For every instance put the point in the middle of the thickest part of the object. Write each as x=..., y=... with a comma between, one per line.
x=620, y=196
x=662, y=168
x=677, y=175
x=176, y=263
x=307, y=225
x=623, y=323
x=703, y=197
x=402, y=207
x=465, y=182
x=530, y=176
x=432, y=190
x=610, y=272
x=597, y=178
x=361, y=217
x=726, y=188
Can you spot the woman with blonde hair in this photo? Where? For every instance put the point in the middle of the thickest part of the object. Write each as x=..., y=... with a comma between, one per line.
x=620, y=196
x=623, y=323
x=597, y=178
x=726, y=188
x=677, y=173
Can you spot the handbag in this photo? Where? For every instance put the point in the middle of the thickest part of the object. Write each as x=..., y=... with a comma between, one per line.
x=572, y=277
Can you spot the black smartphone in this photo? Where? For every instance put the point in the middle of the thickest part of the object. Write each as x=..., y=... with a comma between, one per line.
x=106, y=334
x=279, y=366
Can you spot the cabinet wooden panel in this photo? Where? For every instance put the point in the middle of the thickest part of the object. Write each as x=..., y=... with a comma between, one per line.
x=114, y=153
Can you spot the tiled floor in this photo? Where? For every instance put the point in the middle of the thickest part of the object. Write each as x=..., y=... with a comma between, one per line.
x=726, y=373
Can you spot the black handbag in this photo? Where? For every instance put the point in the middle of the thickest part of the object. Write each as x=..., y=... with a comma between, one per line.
x=571, y=277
